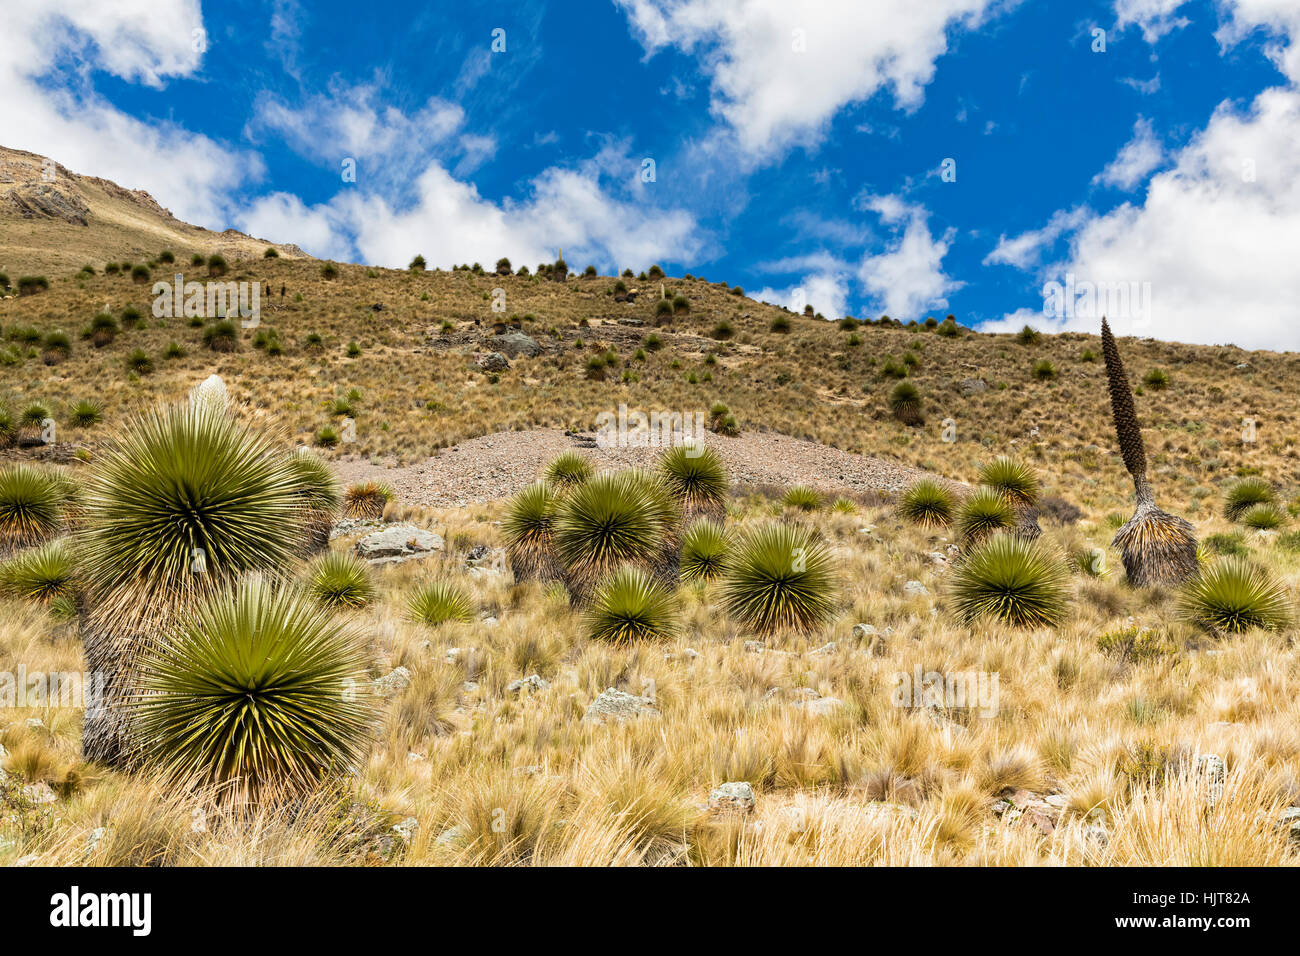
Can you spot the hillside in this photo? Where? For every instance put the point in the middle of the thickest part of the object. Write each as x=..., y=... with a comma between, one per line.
x=54, y=220
x=714, y=740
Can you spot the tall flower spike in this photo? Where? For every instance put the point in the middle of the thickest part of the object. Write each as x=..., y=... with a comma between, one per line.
x=1156, y=547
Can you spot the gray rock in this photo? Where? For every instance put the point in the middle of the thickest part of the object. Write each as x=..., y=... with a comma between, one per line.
x=453, y=836
x=914, y=587
x=618, y=706
x=95, y=839
x=864, y=632
x=39, y=793
x=396, y=680
x=755, y=647
x=491, y=361
x=515, y=344
x=822, y=706
x=826, y=650
x=973, y=386
x=1211, y=771
x=406, y=830
x=532, y=683
x=398, y=543
x=737, y=796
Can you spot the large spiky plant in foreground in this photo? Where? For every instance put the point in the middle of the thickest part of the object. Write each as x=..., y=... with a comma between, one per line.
x=1232, y=596
x=780, y=577
x=529, y=528
x=1013, y=580
x=607, y=521
x=319, y=495
x=259, y=694
x=181, y=505
x=697, y=479
x=1156, y=547
x=630, y=605
x=31, y=506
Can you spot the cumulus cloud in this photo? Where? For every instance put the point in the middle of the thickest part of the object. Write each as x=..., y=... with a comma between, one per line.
x=780, y=71
x=139, y=41
x=1026, y=250
x=1139, y=157
x=908, y=277
x=1214, y=241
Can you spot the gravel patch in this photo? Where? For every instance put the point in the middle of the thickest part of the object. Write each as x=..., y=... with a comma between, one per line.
x=496, y=466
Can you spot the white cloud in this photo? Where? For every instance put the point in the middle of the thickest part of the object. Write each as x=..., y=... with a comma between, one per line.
x=1026, y=249
x=908, y=277
x=774, y=96
x=826, y=291
x=139, y=41
x=1154, y=17
x=1139, y=157
x=449, y=223
x=1215, y=238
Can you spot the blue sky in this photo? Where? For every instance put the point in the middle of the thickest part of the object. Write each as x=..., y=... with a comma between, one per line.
x=798, y=147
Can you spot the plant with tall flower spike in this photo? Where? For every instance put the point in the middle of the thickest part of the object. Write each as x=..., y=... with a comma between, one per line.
x=1156, y=547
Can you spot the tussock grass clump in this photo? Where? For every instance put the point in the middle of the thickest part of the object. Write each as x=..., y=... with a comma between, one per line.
x=568, y=470
x=1012, y=580
x=366, y=500
x=1244, y=495
x=222, y=336
x=86, y=413
x=704, y=551
x=984, y=512
x=905, y=403
x=439, y=602
x=256, y=695
x=697, y=479
x=1233, y=595
x=31, y=506
x=45, y=573
x=318, y=496
x=1012, y=479
x=1263, y=517
x=340, y=580
x=630, y=605
x=607, y=521
x=780, y=577
x=927, y=503
x=529, y=529
x=803, y=498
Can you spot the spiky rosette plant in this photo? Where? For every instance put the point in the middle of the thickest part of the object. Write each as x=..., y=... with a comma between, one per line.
x=1018, y=484
x=1156, y=547
x=630, y=605
x=31, y=506
x=341, y=580
x=984, y=512
x=697, y=479
x=780, y=577
x=1013, y=580
x=44, y=574
x=318, y=494
x=704, y=550
x=568, y=470
x=182, y=504
x=927, y=503
x=439, y=602
x=257, y=695
x=668, y=511
x=366, y=500
x=529, y=528
x=803, y=498
x=1244, y=495
x=1233, y=595
x=612, y=519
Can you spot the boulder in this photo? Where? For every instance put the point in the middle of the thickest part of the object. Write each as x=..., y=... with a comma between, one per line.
x=618, y=706
x=532, y=683
x=737, y=796
x=397, y=679
x=515, y=344
x=973, y=386
x=398, y=543
x=491, y=361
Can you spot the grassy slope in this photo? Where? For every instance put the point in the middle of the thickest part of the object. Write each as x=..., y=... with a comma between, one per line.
x=1074, y=718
